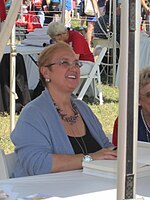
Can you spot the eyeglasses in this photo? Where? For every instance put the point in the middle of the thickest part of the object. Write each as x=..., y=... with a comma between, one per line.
x=66, y=64
x=146, y=95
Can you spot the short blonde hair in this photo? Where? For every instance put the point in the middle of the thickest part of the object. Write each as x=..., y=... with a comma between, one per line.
x=47, y=54
x=144, y=77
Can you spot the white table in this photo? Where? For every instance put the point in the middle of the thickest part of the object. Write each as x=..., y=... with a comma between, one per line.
x=31, y=67
x=73, y=184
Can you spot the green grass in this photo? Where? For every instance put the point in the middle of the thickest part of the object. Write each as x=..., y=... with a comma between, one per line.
x=106, y=113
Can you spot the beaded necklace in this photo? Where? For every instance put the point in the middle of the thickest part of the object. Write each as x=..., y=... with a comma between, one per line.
x=71, y=119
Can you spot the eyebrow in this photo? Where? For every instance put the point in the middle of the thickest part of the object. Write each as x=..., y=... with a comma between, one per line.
x=68, y=59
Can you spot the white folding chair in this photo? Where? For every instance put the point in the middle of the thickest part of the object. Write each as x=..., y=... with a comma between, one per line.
x=91, y=78
x=7, y=164
x=107, y=65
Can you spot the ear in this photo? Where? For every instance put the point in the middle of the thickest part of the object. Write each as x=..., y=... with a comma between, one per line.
x=45, y=72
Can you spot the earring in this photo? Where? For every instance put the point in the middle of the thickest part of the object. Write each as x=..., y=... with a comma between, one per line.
x=47, y=80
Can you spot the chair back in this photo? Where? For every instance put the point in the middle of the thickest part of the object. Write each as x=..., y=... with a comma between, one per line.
x=91, y=76
x=7, y=164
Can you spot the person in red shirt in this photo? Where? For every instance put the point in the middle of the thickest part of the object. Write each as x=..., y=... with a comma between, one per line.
x=79, y=45
x=58, y=32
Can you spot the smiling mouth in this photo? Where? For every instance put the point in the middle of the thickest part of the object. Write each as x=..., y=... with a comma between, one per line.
x=71, y=77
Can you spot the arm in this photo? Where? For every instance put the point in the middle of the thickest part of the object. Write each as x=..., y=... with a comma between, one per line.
x=146, y=8
x=46, y=5
x=95, y=4
x=73, y=162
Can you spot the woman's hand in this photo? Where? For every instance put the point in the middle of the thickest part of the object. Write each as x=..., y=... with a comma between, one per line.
x=105, y=154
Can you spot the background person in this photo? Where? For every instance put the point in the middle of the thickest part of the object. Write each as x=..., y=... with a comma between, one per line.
x=144, y=109
x=146, y=14
x=106, y=28
x=99, y=7
x=58, y=32
x=51, y=10
x=55, y=132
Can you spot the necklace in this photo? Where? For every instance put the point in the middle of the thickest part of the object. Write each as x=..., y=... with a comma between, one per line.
x=84, y=147
x=71, y=119
x=145, y=124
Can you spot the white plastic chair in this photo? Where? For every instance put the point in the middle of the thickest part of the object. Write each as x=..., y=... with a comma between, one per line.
x=107, y=65
x=7, y=164
x=91, y=78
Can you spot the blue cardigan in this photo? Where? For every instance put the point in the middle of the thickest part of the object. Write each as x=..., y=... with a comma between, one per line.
x=39, y=133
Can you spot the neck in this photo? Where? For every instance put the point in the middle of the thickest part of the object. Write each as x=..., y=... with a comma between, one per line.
x=61, y=99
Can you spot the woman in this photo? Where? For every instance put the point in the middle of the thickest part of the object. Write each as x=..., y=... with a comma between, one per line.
x=58, y=32
x=55, y=132
x=144, y=109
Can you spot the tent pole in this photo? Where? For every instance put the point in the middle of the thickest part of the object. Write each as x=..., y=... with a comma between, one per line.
x=128, y=99
x=114, y=41
x=12, y=79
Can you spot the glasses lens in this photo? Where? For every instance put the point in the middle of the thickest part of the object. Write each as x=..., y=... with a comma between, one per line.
x=67, y=63
x=78, y=64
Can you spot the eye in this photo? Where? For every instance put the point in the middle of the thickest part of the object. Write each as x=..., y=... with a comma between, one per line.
x=64, y=62
x=148, y=95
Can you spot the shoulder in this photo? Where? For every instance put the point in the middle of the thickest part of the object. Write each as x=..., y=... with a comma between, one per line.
x=85, y=110
x=75, y=33
x=34, y=107
x=81, y=104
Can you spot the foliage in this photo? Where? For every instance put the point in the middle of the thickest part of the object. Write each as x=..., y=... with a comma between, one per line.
x=106, y=113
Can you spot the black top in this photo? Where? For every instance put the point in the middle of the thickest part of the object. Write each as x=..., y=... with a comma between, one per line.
x=85, y=144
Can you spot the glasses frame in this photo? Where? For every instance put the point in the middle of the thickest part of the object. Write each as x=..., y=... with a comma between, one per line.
x=67, y=63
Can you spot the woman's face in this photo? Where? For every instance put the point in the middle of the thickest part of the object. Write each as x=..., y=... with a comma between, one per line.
x=144, y=98
x=61, y=37
x=64, y=73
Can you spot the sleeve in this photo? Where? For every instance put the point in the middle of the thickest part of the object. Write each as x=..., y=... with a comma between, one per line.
x=31, y=137
x=115, y=132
